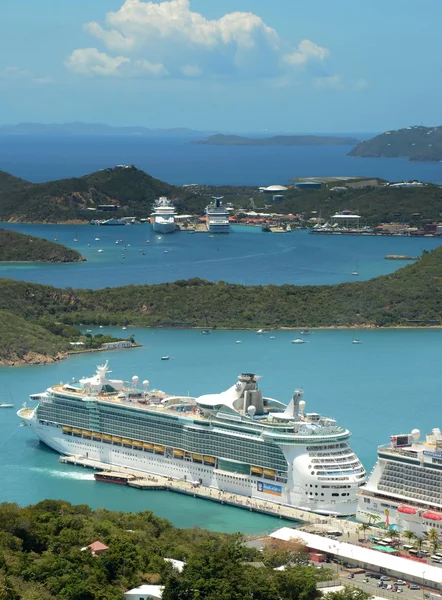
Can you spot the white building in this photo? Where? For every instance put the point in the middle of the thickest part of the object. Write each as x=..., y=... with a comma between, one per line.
x=119, y=344
x=412, y=571
x=145, y=592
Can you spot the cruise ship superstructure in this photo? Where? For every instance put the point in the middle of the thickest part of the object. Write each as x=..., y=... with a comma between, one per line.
x=217, y=217
x=163, y=216
x=404, y=490
x=238, y=441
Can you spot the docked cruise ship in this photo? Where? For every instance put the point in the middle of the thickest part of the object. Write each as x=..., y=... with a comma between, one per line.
x=404, y=490
x=163, y=216
x=238, y=440
x=217, y=217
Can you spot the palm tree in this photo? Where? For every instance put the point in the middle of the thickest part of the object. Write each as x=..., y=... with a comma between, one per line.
x=409, y=535
x=434, y=546
x=363, y=527
x=418, y=543
x=432, y=535
x=373, y=519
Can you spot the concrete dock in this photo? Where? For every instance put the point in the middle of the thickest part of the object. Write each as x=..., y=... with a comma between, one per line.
x=144, y=481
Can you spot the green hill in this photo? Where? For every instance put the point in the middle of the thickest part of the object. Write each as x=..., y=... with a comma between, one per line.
x=417, y=143
x=25, y=342
x=410, y=296
x=276, y=140
x=69, y=199
x=19, y=247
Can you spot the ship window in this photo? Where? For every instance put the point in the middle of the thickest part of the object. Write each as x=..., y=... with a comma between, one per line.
x=335, y=494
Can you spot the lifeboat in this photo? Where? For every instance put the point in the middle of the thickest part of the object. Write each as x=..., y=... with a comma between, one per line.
x=408, y=510
x=107, y=437
x=86, y=433
x=96, y=436
x=209, y=459
x=116, y=438
x=269, y=472
x=433, y=516
x=137, y=443
x=147, y=446
x=256, y=470
x=66, y=429
x=127, y=442
x=178, y=453
x=75, y=430
x=197, y=457
x=158, y=448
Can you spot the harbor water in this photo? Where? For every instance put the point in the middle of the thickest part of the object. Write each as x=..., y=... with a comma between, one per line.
x=388, y=384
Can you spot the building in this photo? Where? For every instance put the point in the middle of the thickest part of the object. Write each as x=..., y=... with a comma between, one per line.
x=346, y=219
x=115, y=345
x=96, y=548
x=411, y=570
x=308, y=185
x=407, y=184
x=145, y=592
x=108, y=207
x=273, y=189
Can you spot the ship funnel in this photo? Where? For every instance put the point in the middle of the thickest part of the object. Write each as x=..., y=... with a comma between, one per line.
x=253, y=398
x=295, y=406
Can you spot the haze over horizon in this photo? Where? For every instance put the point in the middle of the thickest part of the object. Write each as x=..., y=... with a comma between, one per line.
x=236, y=66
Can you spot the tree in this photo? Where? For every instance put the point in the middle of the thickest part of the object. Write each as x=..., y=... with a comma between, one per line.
x=408, y=535
x=418, y=543
x=348, y=594
x=364, y=527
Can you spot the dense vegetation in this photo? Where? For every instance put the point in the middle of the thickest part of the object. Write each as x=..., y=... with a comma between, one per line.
x=133, y=192
x=19, y=247
x=23, y=341
x=277, y=140
x=412, y=295
x=418, y=143
x=41, y=558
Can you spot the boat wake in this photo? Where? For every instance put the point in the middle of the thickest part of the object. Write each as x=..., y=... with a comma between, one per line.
x=63, y=474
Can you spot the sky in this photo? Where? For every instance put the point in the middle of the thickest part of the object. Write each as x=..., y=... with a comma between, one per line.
x=223, y=65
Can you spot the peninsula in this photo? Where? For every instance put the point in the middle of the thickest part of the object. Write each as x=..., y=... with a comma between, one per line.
x=18, y=247
x=276, y=140
x=408, y=297
x=415, y=143
x=96, y=129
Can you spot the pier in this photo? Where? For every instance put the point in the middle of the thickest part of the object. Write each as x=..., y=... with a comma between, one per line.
x=145, y=481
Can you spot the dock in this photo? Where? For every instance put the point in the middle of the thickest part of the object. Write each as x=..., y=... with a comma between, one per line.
x=145, y=481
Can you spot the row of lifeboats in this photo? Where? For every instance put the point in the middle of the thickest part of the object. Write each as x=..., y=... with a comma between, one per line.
x=410, y=510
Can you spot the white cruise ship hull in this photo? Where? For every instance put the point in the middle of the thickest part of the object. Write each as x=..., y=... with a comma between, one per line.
x=218, y=227
x=291, y=494
x=163, y=227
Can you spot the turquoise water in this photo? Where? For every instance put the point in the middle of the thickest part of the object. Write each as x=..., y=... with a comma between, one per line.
x=247, y=256
x=389, y=384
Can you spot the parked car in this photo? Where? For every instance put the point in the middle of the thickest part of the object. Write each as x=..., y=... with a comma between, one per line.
x=400, y=582
x=385, y=578
x=413, y=586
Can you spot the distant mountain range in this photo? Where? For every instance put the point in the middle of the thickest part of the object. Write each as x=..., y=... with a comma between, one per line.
x=77, y=128
x=416, y=143
x=277, y=140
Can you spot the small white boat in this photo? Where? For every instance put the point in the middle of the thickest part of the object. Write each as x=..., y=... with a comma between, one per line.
x=100, y=250
x=88, y=330
x=298, y=341
x=124, y=327
x=97, y=239
x=305, y=332
x=355, y=273
x=75, y=240
x=166, y=251
x=260, y=331
x=356, y=341
x=238, y=341
x=272, y=337
x=101, y=326
x=165, y=357
x=6, y=405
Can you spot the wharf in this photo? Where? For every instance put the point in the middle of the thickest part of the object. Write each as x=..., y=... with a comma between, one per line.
x=144, y=481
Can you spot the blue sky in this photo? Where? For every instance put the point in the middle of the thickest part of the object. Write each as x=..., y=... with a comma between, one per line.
x=235, y=65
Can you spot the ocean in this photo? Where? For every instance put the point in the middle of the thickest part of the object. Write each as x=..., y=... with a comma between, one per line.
x=246, y=256
x=389, y=384
x=177, y=161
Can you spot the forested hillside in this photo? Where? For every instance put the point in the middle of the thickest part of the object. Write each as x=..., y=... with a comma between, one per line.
x=410, y=296
x=19, y=247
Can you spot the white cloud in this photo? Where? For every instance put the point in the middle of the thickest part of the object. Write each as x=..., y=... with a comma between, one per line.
x=306, y=51
x=176, y=41
x=19, y=73
x=89, y=61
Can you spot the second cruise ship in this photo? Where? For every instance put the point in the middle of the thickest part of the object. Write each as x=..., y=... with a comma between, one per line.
x=404, y=490
x=217, y=217
x=237, y=441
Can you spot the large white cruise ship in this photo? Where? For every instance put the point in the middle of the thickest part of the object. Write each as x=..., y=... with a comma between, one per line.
x=217, y=217
x=163, y=216
x=404, y=490
x=237, y=441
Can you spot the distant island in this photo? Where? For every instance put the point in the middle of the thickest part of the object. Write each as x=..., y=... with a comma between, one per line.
x=19, y=247
x=78, y=128
x=415, y=143
x=277, y=140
